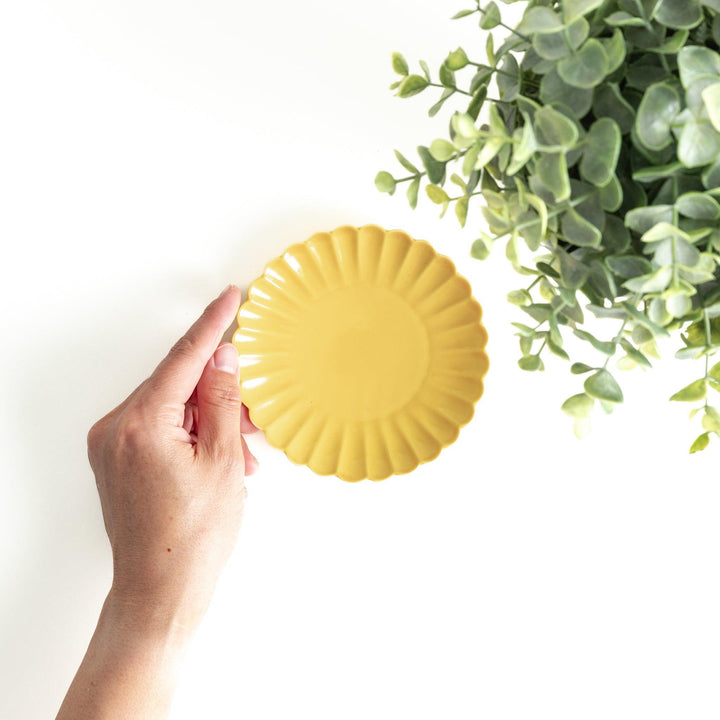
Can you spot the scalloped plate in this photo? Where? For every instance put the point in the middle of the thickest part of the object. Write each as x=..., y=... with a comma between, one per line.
x=362, y=352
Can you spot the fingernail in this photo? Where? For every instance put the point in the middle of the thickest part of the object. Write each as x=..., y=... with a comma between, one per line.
x=226, y=359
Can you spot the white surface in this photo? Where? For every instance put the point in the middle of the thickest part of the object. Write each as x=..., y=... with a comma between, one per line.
x=154, y=151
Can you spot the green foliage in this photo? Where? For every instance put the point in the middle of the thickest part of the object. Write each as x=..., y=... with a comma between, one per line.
x=588, y=137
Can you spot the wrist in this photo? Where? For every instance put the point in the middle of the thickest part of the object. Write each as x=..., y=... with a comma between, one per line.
x=146, y=621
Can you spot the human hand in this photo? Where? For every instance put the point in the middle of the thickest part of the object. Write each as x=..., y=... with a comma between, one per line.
x=170, y=463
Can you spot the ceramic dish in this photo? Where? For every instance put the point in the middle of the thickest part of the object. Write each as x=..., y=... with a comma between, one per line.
x=362, y=352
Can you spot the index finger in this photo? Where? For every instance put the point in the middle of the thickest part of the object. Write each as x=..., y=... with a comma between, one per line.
x=177, y=375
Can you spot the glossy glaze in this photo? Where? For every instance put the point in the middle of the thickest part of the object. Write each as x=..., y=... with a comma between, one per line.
x=362, y=352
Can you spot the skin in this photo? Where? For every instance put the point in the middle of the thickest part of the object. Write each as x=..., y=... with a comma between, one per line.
x=169, y=463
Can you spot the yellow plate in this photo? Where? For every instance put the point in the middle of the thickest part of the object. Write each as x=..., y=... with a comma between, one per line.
x=362, y=352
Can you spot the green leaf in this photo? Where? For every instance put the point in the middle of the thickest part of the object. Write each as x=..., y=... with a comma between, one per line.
x=573, y=9
x=698, y=206
x=406, y=163
x=679, y=13
x=519, y=298
x=587, y=67
x=385, y=182
x=531, y=363
x=412, y=85
x=579, y=231
x=711, y=98
x=603, y=386
x=447, y=76
x=701, y=442
x=695, y=62
x=481, y=248
x=572, y=271
x=412, y=192
x=580, y=368
x=611, y=195
x=634, y=353
x=560, y=44
x=643, y=219
x=554, y=131
x=461, y=210
x=525, y=149
x=601, y=152
x=629, y=266
x=462, y=14
x=435, y=169
x=655, y=282
x=658, y=110
x=442, y=150
x=699, y=144
x=693, y=392
x=616, y=50
x=435, y=109
x=554, y=90
x=399, y=64
x=578, y=406
x=437, y=195
x=539, y=20
x=457, y=59
x=425, y=69
x=551, y=170
x=509, y=79
x=605, y=347
x=490, y=16
x=711, y=420
x=624, y=19
x=609, y=102
x=645, y=321
x=714, y=371
x=556, y=349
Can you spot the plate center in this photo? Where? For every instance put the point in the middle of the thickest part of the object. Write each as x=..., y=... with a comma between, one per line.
x=362, y=352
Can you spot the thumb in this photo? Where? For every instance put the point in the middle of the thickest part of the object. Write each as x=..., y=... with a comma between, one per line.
x=220, y=406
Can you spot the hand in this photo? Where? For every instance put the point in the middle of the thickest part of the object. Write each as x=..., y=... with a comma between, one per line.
x=170, y=464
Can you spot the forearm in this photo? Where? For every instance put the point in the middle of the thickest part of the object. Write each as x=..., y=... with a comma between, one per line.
x=130, y=668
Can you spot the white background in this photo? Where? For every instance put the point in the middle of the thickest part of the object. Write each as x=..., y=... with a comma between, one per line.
x=152, y=152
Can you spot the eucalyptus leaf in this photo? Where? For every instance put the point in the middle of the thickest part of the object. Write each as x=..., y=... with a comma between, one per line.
x=587, y=67
x=603, y=386
x=659, y=107
x=601, y=152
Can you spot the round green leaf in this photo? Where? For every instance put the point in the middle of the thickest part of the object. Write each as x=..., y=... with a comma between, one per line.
x=601, y=153
x=481, y=248
x=551, y=172
x=399, y=64
x=603, y=386
x=539, y=20
x=699, y=143
x=457, y=59
x=556, y=45
x=578, y=231
x=711, y=98
x=679, y=13
x=578, y=406
x=385, y=182
x=553, y=90
x=659, y=108
x=530, y=363
x=695, y=61
x=490, y=16
x=587, y=67
x=609, y=102
x=442, y=150
x=574, y=9
x=698, y=206
x=554, y=131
